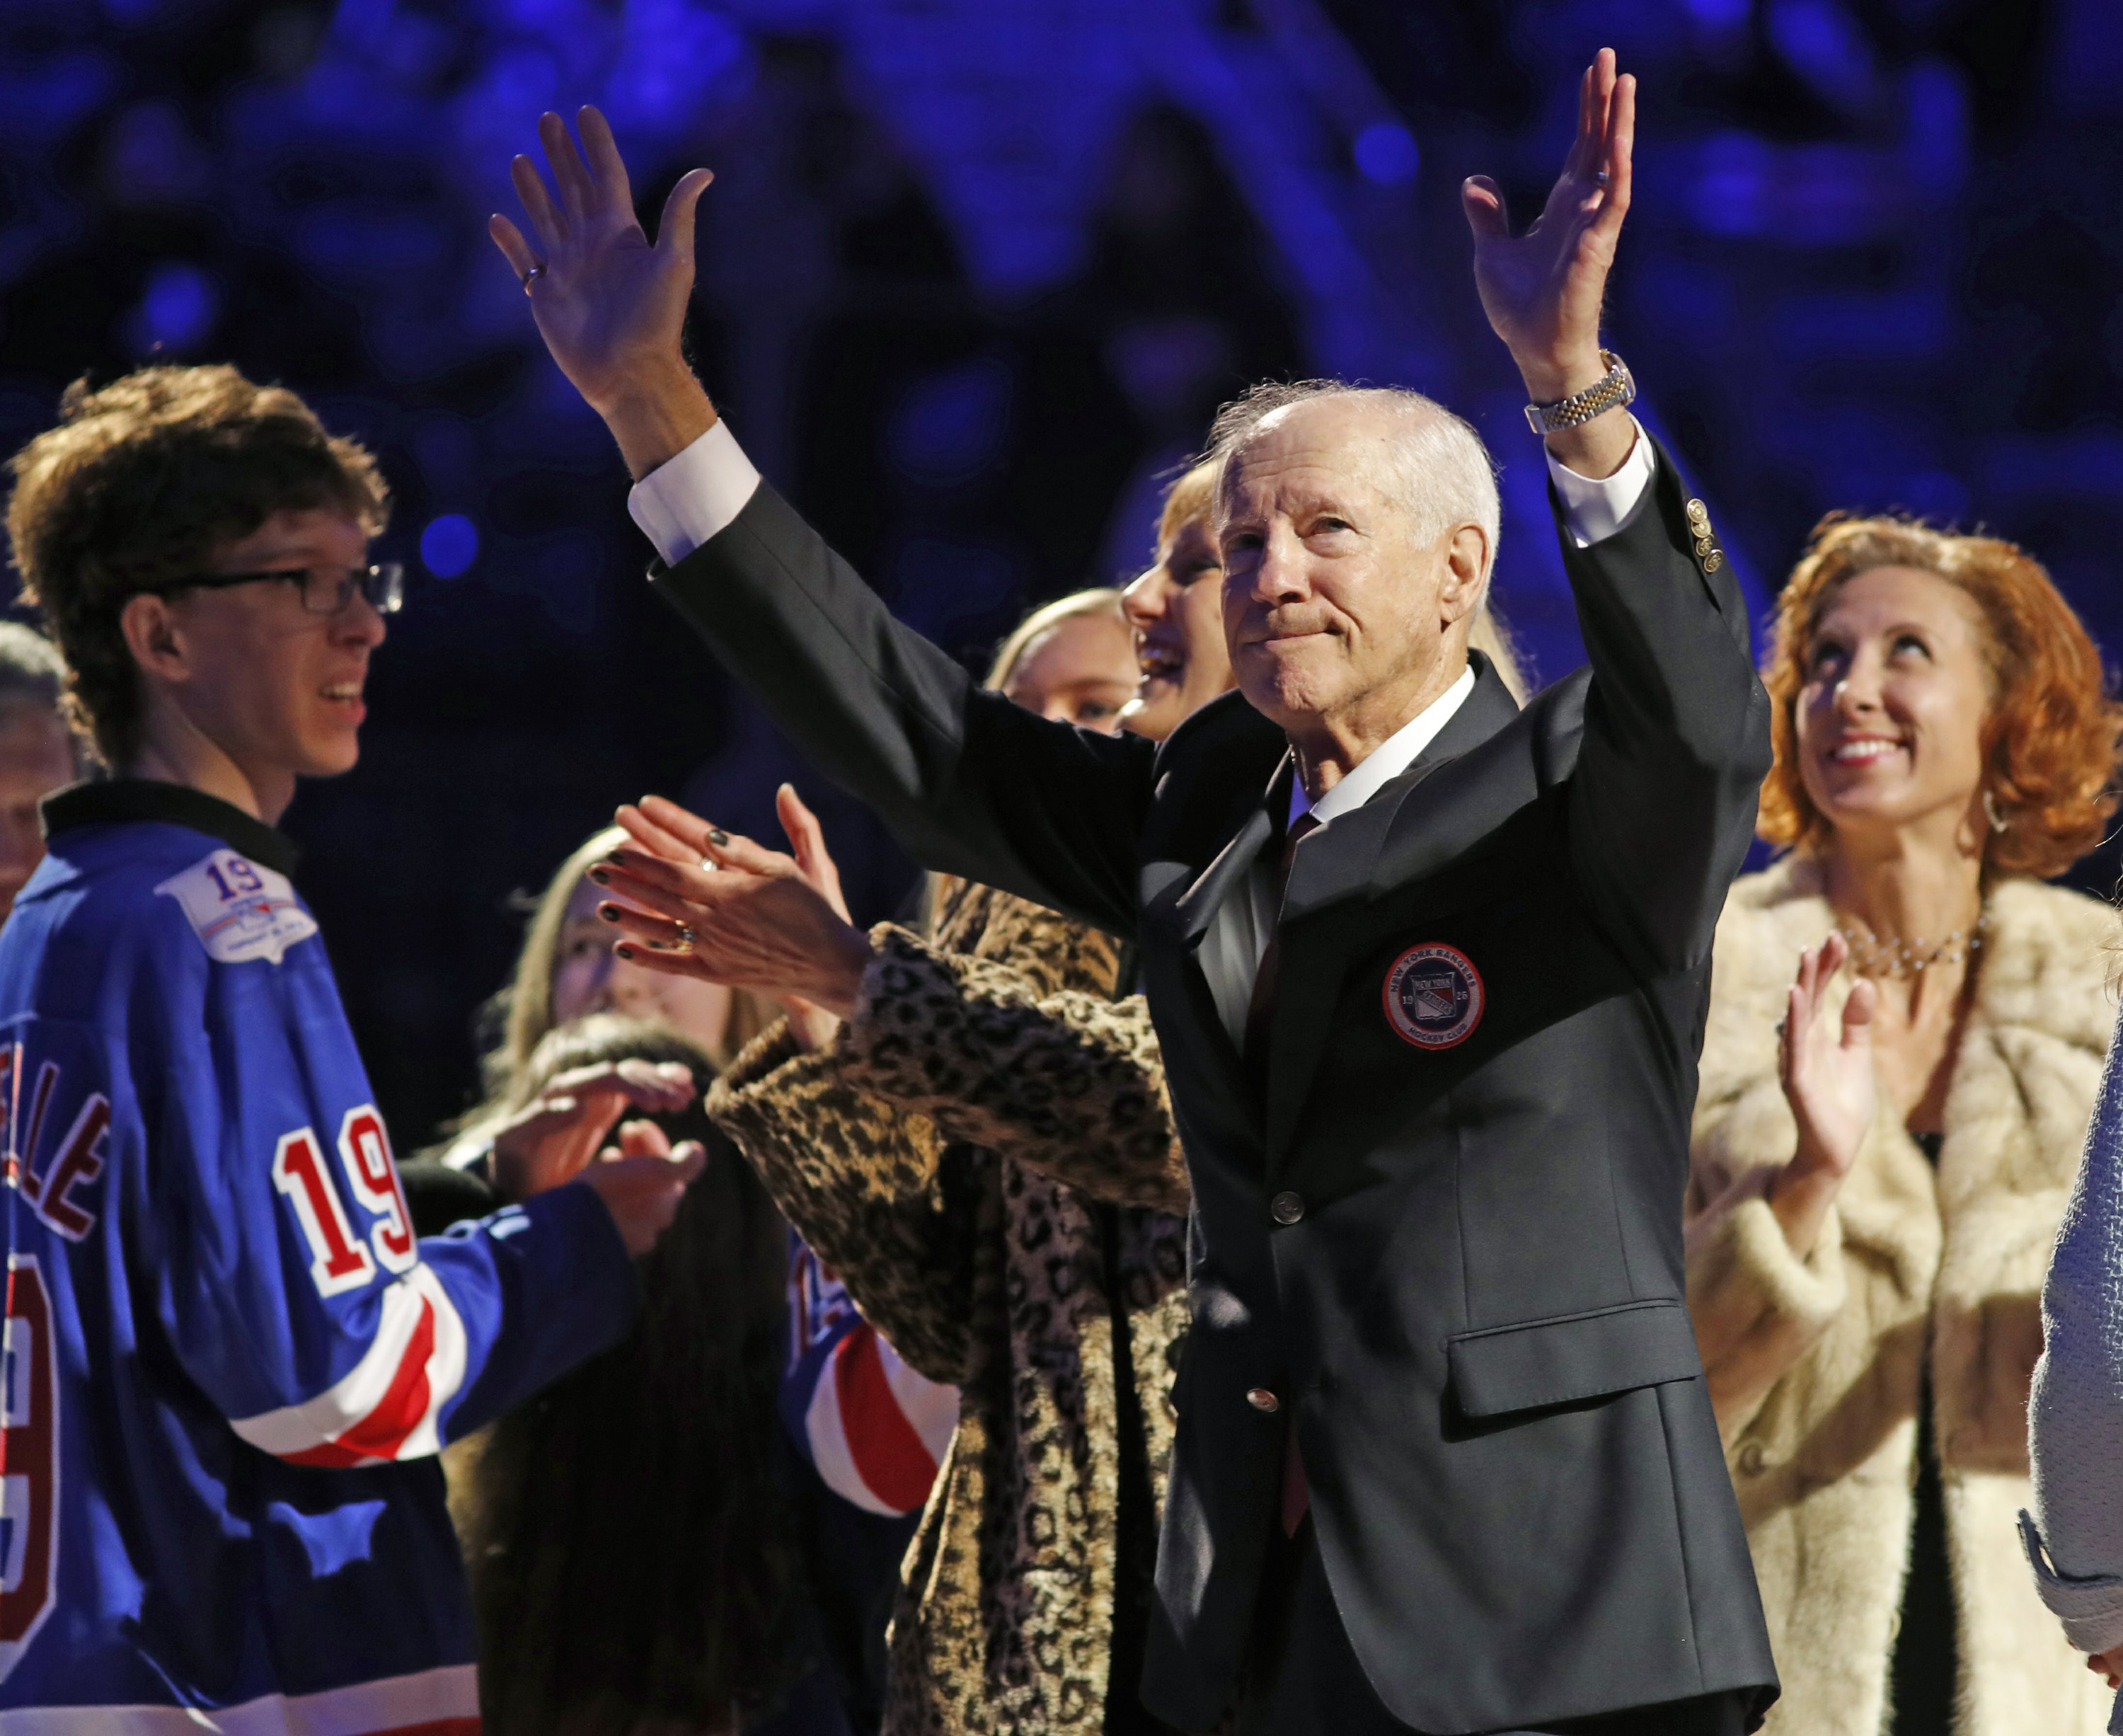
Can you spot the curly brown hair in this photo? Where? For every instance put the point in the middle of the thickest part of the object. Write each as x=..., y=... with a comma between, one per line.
x=2050, y=742
x=137, y=486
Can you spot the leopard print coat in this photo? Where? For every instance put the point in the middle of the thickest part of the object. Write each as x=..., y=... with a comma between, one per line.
x=947, y=1157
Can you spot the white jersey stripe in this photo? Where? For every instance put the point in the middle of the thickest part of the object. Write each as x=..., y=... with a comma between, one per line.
x=932, y=1406
x=415, y=1308
x=439, y=1697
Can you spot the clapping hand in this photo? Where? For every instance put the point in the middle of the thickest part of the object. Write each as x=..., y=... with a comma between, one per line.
x=559, y=1138
x=553, y=1138
x=610, y=304
x=1827, y=1075
x=693, y=899
x=642, y=1179
x=1542, y=290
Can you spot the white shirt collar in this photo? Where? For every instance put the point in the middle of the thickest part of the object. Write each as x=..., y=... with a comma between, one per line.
x=1388, y=760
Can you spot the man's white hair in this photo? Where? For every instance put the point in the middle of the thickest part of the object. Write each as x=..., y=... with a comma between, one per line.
x=1435, y=464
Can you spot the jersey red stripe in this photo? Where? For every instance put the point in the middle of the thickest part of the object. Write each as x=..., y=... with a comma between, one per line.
x=397, y=1414
x=887, y=1453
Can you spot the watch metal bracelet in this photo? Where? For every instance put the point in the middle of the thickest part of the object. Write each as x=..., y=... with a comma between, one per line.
x=1613, y=390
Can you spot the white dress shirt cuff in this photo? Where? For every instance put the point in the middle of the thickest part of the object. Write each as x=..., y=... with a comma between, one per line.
x=695, y=497
x=1594, y=508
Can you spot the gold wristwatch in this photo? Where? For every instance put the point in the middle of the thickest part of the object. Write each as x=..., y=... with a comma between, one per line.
x=1611, y=391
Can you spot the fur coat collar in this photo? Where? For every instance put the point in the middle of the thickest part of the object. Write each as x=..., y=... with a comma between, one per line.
x=1816, y=1366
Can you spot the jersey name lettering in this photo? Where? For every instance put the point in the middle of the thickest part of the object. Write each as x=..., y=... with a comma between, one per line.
x=56, y=1187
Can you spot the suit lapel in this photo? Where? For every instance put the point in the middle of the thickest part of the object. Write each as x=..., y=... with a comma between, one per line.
x=1196, y=907
x=1175, y=926
x=1391, y=840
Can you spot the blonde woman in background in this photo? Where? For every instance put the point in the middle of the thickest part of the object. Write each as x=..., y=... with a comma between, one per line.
x=1072, y=660
x=525, y=1128
x=566, y=969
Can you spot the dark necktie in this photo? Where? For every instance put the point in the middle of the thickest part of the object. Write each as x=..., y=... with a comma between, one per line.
x=1260, y=1004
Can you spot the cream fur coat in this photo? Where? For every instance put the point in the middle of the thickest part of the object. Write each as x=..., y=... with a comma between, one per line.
x=1815, y=1366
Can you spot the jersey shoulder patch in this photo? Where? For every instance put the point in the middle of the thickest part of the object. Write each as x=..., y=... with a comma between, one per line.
x=240, y=909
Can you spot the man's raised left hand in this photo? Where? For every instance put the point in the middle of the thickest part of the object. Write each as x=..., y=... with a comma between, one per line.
x=610, y=305
x=1542, y=290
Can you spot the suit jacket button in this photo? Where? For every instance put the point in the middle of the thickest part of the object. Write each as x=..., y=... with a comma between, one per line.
x=1262, y=1401
x=1285, y=1207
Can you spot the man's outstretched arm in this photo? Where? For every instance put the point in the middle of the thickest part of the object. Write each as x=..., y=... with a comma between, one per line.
x=1676, y=739
x=970, y=783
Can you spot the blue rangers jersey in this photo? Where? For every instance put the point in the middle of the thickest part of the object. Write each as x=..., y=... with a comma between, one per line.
x=228, y=1365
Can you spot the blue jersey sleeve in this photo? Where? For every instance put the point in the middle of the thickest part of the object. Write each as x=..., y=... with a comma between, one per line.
x=288, y=1276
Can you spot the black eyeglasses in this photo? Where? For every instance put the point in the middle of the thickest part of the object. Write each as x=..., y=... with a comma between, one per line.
x=326, y=590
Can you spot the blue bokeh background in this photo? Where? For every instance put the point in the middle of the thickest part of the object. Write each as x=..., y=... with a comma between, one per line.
x=972, y=276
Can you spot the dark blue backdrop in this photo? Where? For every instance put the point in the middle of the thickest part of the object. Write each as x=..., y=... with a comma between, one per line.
x=972, y=276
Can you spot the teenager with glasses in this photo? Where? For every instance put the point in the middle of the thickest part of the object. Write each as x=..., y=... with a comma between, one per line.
x=325, y=590
x=229, y=1360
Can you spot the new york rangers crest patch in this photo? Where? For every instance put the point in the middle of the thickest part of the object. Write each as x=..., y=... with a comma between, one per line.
x=238, y=909
x=1433, y=996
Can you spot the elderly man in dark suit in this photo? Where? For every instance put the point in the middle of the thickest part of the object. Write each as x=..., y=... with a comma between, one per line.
x=1429, y=973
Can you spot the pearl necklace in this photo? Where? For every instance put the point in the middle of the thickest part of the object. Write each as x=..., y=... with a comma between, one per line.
x=1872, y=956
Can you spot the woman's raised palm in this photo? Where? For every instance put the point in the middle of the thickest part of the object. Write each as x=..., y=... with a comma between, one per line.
x=1826, y=1071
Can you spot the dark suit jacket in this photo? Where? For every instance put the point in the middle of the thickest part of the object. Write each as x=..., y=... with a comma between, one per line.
x=1475, y=1316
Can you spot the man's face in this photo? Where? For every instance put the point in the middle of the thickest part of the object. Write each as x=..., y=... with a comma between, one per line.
x=1334, y=613
x=274, y=687
x=36, y=757
x=1176, y=609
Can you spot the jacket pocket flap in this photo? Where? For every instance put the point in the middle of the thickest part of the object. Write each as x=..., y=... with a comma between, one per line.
x=1571, y=1357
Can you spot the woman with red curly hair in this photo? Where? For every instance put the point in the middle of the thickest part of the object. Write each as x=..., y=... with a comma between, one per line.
x=1883, y=1150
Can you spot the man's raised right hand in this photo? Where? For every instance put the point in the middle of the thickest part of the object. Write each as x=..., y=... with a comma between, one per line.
x=610, y=305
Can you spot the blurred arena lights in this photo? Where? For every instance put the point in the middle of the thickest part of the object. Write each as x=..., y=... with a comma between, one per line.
x=449, y=545
x=1386, y=154
x=176, y=310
